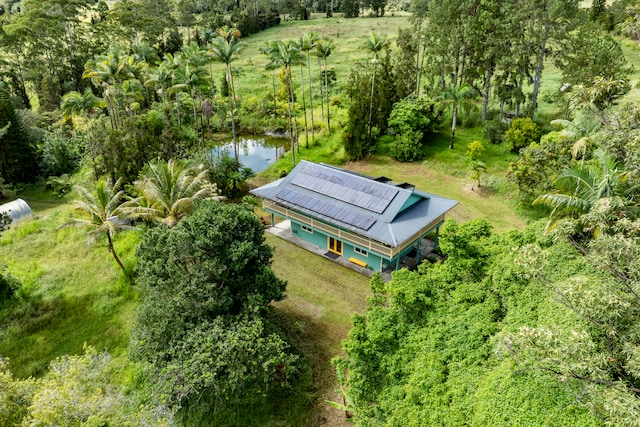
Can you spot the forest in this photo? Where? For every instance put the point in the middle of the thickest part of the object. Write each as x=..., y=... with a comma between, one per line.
x=144, y=291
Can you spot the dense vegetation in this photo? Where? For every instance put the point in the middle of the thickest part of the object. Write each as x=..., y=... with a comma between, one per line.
x=112, y=107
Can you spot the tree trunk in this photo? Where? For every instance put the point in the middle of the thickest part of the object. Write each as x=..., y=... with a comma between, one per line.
x=373, y=82
x=454, y=117
x=293, y=145
x=418, y=68
x=90, y=146
x=538, y=76
x=326, y=91
x=487, y=90
x=113, y=252
x=273, y=84
x=233, y=117
x=313, y=128
x=304, y=107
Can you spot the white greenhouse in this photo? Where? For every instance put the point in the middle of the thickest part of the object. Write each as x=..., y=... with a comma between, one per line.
x=17, y=209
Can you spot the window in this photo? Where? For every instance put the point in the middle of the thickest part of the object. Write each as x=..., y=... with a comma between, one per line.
x=360, y=251
x=307, y=229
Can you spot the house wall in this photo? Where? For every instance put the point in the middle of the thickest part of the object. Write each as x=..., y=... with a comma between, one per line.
x=320, y=239
x=316, y=238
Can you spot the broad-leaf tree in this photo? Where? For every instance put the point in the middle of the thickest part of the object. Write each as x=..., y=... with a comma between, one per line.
x=207, y=283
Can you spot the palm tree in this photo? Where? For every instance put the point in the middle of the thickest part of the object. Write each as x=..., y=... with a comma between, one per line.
x=169, y=190
x=309, y=43
x=159, y=78
x=579, y=188
x=324, y=48
x=192, y=79
x=288, y=55
x=106, y=213
x=225, y=49
x=75, y=104
x=374, y=44
x=457, y=97
x=580, y=129
x=304, y=101
x=272, y=66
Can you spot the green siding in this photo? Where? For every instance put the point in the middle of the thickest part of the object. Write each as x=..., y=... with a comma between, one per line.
x=316, y=238
x=320, y=239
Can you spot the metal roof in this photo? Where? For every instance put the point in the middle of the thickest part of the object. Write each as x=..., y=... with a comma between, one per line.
x=358, y=203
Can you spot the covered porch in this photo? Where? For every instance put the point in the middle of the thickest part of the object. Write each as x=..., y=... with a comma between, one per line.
x=283, y=230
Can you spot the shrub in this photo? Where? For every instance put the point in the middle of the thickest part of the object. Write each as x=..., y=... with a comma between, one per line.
x=8, y=287
x=410, y=119
x=494, y=130
x=522, y=133
x=475, y=150
x=60, y=154
x=407, y=147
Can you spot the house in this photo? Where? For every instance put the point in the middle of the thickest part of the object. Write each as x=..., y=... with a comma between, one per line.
x=371, y=222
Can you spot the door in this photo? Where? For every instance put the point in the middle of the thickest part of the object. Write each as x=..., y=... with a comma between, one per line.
x=335, y=246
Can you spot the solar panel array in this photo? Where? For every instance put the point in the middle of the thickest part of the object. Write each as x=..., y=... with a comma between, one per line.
x=357, y=220
x=362, y=192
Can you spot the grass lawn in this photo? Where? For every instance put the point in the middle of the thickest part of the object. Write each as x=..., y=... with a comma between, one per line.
x=321, y=298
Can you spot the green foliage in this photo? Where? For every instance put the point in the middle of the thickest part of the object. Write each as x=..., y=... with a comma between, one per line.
x=18, y=160
x=578, y=190
x=350, y=8
x=475, y=150
x=424, y=354
x=228, y=175
x=595, y=346
x=9, y=285
x=410, y=120
x=123, y=152
x=407, y=147
x=75, y=391
x=539, y=164
x=206, y=282
x=522, y=133
x=60, y=155
x=495, y=129
x=232, y=357
x=422, y=114
x=104, y=211
x=5, y=221
x=168, y=191
x=357, y=145
x=587, y=54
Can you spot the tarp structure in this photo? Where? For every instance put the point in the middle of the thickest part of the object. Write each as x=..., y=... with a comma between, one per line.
x=17, y=209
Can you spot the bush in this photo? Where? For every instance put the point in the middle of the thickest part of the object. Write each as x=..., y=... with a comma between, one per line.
x=8, y=287
x=494, y=130
x=410, y=119
x=407, y=147
x=522, y=133
x=60, y=155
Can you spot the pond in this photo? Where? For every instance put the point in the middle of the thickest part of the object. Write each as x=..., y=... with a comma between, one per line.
x=255, y=152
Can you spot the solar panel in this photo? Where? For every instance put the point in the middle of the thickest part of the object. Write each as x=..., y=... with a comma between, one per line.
x=329, y=210
x=358, y=191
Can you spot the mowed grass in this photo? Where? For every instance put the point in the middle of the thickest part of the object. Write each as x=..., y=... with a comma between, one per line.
x=322, y=297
